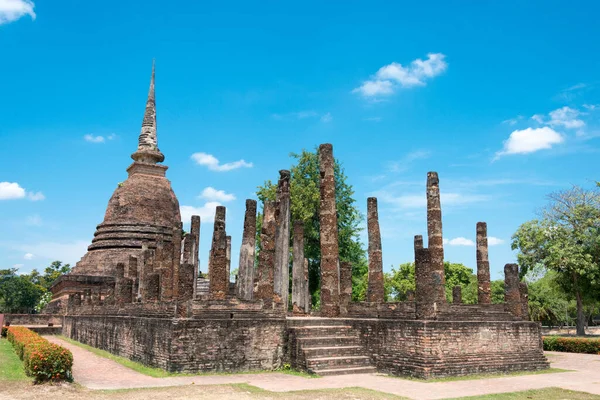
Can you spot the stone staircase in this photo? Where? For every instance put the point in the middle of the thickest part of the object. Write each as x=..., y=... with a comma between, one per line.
x=327, y=346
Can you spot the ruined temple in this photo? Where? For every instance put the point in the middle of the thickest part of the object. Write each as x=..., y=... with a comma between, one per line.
x=138, y=291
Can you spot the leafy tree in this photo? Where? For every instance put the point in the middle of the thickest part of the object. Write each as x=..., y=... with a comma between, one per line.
x=497, y=289
x=17, y=293
x=399, y=282
x=566, y=240
x=305, y=203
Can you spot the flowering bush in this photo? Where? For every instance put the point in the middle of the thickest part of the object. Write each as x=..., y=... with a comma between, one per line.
x=571, y=344
x=43, y=360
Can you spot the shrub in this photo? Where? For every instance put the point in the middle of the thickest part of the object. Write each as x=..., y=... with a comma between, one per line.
x=4, y=330
x=571, y=344
x=43, y=360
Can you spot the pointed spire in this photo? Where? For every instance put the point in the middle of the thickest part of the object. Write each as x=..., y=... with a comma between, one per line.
x=147, y=150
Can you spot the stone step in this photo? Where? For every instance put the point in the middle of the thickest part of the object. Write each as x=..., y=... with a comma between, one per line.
x=344, y=371
x=332, y=351
x=322, y=330
x=315, y=321
x=339, y=362
x=320, y=341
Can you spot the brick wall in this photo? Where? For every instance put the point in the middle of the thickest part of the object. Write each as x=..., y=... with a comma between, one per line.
x=33, y=319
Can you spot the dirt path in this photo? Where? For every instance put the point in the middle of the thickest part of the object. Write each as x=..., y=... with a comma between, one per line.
x=96, y=372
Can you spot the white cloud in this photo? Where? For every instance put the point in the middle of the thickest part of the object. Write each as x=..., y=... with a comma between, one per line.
x=11, y=190
x=591, y=107
x=37, y=196
x=206, y=212
x=494, y=241
x=513, y=121
x=93, y=139
x=68, y=252
x=212, y=194
x=407, y=160
x=34, y=220
x=539, y=118
x=213, y=164
x=530, y=140
x=420, y=200
x=395, y=75
x=459, y=241
x=12, y=10
x=326, y=117
x=566, y=117
x=28, y=256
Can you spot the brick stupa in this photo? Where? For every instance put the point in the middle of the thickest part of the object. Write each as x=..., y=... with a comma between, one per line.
x=142, y=211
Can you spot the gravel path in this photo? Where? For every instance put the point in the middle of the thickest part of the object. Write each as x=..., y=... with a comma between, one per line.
x=96, y=372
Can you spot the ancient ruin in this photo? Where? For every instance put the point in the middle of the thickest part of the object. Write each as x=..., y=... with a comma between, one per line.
x=139, y=293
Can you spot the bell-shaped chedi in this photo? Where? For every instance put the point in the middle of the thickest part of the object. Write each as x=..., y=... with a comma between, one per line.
x=143, y=208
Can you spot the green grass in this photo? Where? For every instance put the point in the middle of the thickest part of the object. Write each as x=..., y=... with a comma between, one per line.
x=541, y=394
x=484, y=376
x=11, y=368
x=161, y=373
x=352, y=392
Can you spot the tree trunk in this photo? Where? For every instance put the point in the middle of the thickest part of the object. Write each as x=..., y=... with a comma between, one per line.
x=580, y=314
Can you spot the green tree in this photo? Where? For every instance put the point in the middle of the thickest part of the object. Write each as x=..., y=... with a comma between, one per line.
x=305, y=202
x=17, y=293
x=566, y=240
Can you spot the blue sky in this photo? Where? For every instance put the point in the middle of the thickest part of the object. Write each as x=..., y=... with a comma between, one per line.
x=501, y=98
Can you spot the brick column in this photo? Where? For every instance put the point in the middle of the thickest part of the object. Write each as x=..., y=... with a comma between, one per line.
x=375, y=292
x=266, y=257
x=298, y=282
x=186, y=281
x=424, y=300
x=345, y=286
x=228, y=256
x=307, y=296
x=512, y=294
x=524, y=292
x=484, y=291
x=330, y=278
x=435, y=239
x=133, y=274
x=123, y=285
x=247, y=251
x=457, y=295
x=218, y=279
x=282, y=238
x=195, y=230
x=176, y=257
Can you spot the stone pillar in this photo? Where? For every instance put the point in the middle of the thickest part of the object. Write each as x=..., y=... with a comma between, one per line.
x=282, y=238
x=524, y=292
x=176, y=258
x=123, y=286
x=77, y=300
x=87, y=297
x=228, y=256
x=133, y=274
x=219, y=280
x=484, y=291
x=307, y=297
x=435, y=242
x=298, y=281
x=195, y=231
x=163, y=264
x=330, y=277
x=425, y=307
x=266, y=257
x=247, y=252
x=186, y=281
x=153, y=287
x=457, y=295
x=375, y=292
x=512, y=294
x=345, y=286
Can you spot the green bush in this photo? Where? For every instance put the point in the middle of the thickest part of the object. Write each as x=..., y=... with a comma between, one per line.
x=43, y=360
x=4, y=330
x=571, y=344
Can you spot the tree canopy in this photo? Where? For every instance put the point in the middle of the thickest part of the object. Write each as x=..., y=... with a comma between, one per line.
x=305, y=203
x=566, y=241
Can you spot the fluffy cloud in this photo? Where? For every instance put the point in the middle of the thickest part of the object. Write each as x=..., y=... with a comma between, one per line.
x=206, y=212
x=409, y=201
x=28, y=256
x=393, y=76
x=566, y=117
x=98, y=139
x=494, y=241
x=11, y=190
x=12, y=10
x=212, y=194
x=68, y=252
x=459, y=241
x=213, y=163
x=530, y=140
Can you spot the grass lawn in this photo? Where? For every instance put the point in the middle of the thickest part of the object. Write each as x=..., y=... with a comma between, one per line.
x=161, y=373
x=11, y=368
x=541, y=394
